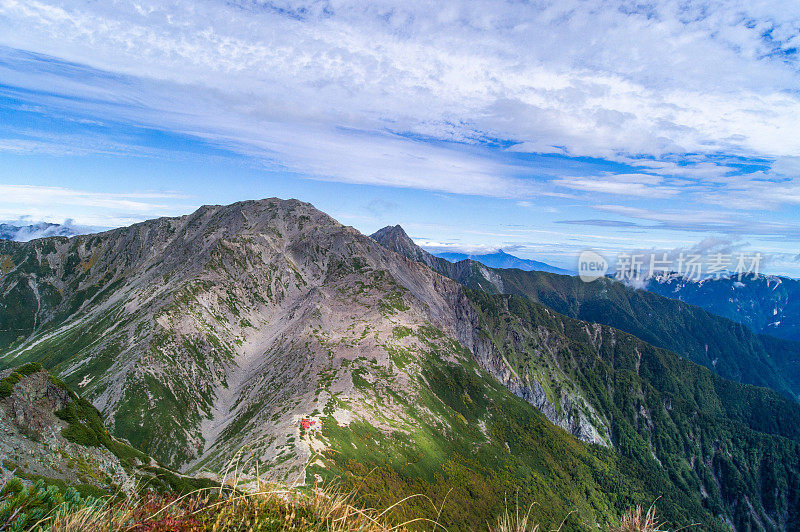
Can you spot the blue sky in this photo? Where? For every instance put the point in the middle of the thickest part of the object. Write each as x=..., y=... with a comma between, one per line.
x=544, y=128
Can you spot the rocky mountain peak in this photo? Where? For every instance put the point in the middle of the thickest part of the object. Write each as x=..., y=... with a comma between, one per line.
x=395, y=238
x=194, y=335
x=468, y=272
x=226, y=332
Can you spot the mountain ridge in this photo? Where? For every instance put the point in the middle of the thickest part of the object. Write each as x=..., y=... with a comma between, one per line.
x=210, y=336
x=767, y=304
x=200, y=259
x=716, y=342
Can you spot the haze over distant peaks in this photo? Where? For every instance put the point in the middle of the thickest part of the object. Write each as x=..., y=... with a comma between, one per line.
x=24, y=233
x=501, y=259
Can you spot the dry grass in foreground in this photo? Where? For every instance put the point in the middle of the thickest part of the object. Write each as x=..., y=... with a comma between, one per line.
x=638, y=520
x=635, y=520
x=267, y=510
x=214, y=509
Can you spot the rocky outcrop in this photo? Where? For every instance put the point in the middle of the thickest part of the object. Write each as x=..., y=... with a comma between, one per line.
x=395, y=238
x=33, y=442
x=468, y=272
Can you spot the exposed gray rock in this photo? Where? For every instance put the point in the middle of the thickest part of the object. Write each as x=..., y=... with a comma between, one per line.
x=569, y=411
x=31, y=440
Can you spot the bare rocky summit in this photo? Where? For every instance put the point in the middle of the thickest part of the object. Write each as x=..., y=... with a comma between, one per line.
x=198, y=335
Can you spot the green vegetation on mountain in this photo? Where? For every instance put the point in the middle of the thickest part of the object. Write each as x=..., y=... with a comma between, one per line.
x=54, y=438
x=728, y=448
x=767, y=304
x=205, y=337
x=42, y=509
x=736, y=444
x=7, y=383
x=727, y=348
x=24, y=507
x=468, y=446
x=706, y=448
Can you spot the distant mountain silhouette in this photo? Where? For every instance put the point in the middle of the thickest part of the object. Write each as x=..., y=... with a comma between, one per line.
x=24, y=233
x=503, y=260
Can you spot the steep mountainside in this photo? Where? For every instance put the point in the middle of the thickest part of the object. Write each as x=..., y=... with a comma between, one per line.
x=50, y=433
x=209, y=337
x=727, y=446
x=196, y=334
x=467, y=272
x=767, y=304
x=726, y=347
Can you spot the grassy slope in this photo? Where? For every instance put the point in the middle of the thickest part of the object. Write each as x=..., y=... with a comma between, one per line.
x=682, y=425
x=471, y=448
x=266, y=510
x=728, y=348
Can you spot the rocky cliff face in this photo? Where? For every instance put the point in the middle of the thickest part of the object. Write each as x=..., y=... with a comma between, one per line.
x=35, y=439
x=396, y=239
x=568, y=409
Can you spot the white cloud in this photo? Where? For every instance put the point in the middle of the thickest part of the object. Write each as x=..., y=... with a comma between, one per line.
x=640, y=185
x=715, y=221
x=54, y=204
x=589, y=78
x=36, y=195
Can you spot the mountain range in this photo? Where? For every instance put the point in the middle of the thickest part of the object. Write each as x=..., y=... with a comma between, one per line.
x=221, y=335
x=767, y=304
x=23, y=233
x=501, y=259
x=720, y=344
